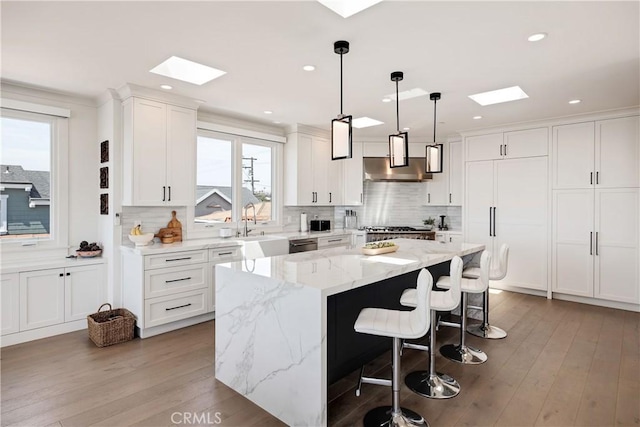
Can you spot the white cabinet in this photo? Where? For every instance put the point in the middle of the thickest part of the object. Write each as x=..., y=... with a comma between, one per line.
x=10, y=301
x=507, y=145
x=446, y=188
x=449, y=236
x=343, y=241
x=353, y=177
x=84, y=291
x=506, y=202
x=42, y=298
x=311, y=177
x=158, y=153
x=601, y=154
x=595, y=243
x=166, y=287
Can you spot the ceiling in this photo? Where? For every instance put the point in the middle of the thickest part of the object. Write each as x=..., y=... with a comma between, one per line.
x=592, y=53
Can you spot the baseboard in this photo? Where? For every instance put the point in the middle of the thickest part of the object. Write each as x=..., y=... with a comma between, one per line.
x=168, y=327
x=47, y=331
x=599, y=302
x=503, y=287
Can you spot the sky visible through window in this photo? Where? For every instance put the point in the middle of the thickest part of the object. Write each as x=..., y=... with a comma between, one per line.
x=25, y=143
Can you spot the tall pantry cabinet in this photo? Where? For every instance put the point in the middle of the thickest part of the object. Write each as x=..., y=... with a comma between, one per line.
x=596, y=210
x=506, y=201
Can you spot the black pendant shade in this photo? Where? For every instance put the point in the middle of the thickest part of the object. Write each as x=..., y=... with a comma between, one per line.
x=433, y=155
x=341, y=130
x=398, y=142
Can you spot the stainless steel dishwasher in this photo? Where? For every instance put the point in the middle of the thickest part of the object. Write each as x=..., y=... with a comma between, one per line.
x=303, y=245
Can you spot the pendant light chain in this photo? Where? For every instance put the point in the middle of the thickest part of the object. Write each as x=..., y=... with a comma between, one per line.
x=397, y=108
x=341, y=84
x=435, y=103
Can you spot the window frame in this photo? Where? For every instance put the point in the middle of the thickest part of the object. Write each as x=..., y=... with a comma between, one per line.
x=237, y=138
x=58, y=120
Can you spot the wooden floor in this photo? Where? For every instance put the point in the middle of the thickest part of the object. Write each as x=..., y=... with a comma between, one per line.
x=562, y=364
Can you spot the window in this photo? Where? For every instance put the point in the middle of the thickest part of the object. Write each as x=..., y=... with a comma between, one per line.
x=33, y=178
x=233, y=173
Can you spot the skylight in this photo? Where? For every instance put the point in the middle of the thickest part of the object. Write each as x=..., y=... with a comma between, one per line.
x=365, y=122
x=346, y=8
x=187, y=71
x=512, y=93
x=408, y=94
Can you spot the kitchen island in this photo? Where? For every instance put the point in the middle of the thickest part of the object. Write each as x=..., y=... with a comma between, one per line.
x=277, y=319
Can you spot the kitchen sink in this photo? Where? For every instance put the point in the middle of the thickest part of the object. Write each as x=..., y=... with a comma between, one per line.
x=264, y=246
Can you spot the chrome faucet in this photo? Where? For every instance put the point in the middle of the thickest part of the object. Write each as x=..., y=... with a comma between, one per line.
x=246, y=217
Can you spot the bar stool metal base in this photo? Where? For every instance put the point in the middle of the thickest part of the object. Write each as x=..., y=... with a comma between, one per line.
x=485, y=330
x=463, y=354
x=438, y=386
x=381, y=416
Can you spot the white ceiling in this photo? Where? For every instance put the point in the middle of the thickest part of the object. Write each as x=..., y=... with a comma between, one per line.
x=457, y=48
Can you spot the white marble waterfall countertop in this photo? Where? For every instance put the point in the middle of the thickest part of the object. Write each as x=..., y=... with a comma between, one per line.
x=336, y=270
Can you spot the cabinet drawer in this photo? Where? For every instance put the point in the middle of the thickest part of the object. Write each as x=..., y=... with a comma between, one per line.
x=175, y=258
x=227, y=254
x=328, y=242
x=161, y=310
x=167, y=281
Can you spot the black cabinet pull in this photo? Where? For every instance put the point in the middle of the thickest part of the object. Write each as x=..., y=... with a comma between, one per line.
x=175, y=308
x=334, y=240
x=598, y=177
x=591, y=178
x=501, y=149
x=591, y=243
x=449, y=197
x=494, y=221
x=489, y=220
x=164, y=193
x=505, y=149
x=428, y=197
x=61, y=275
x=597, y=243
x=68, y=274
x=329, y=197
x=224, y=253
x=169, y=193
x=178, y=259
x=361, y=197
x=177, y=280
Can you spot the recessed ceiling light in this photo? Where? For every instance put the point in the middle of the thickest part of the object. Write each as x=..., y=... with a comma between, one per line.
x=365, y=122
x=346, y=8
x=512, y=93
x=268, y=112
x=166, y=87
x=406, y=128
x=537, y=37
x=187, y=71
x=408, y=94
x=575, y=101
x=477, y=117
x=308, y=68
x=386, y=99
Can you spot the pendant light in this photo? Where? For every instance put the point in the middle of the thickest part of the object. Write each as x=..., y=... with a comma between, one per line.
x=341, y=136
x=398, y=142
x=433, y=157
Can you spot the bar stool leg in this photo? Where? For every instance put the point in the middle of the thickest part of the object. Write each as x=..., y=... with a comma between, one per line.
x=484, y=329
x=432, y=384
x=394, y=416
x=462, y=353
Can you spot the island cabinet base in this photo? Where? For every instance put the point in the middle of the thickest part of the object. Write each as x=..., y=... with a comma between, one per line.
x=348, y=350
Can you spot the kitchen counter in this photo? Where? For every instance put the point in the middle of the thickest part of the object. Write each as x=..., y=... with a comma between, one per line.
x=272, y=319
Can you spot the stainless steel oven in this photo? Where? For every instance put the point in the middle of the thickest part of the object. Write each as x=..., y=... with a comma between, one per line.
x=303, y=245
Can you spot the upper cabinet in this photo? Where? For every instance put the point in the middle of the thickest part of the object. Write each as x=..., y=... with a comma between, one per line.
x=159, y=142
x=600, y=154
x=507, y=145
x=311, y=178
x=446, y=188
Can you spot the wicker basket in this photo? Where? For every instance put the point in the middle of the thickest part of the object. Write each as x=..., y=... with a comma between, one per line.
x=111, y=326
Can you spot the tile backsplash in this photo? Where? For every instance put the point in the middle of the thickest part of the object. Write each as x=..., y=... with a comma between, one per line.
x=153, y=219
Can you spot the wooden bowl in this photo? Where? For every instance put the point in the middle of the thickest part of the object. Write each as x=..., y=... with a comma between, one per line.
x=88, y=254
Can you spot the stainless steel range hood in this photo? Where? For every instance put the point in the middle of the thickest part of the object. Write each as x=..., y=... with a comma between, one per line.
x=377, y=169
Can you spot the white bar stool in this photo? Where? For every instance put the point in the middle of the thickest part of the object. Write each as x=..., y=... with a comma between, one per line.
x=484, y=329
x=430, y=383
x=462, y=353
x=397, y=325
